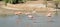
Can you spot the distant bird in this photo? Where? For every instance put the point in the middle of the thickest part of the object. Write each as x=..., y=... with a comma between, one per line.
x=30, y=16
x=17, y=13
x=49, y=14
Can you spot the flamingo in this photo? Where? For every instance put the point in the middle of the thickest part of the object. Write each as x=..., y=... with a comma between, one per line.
x=30, y=16
x=49, y=14
x=17, y=20
x=17, y=13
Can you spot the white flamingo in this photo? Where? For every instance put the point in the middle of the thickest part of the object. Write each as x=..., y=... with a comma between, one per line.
x=30, y=16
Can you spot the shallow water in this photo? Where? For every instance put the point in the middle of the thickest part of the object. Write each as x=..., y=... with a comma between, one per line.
x=24, y=21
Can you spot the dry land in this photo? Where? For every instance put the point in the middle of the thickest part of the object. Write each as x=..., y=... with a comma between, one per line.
x=29, y=6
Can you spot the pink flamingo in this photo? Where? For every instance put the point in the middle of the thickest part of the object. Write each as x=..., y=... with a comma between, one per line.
x=17, y=13
x=49, y=15
x=50, y=12
x=17, y=20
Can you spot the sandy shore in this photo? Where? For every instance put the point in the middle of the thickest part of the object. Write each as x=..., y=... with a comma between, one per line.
x=11, y=8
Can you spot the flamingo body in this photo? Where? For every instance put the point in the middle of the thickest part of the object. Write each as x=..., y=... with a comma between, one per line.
x=49, y=14
x=30, y=16
x=18, y=13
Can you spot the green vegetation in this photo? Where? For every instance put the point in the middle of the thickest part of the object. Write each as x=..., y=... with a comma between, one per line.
x=56, y=4
x=14, y=1
x=0, y=0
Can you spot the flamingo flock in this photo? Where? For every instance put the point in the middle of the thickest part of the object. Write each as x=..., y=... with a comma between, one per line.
x=49, y=15
x=28, y=14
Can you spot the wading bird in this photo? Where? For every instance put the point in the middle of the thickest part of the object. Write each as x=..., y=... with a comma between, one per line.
x=30, y=16
x=17, y=13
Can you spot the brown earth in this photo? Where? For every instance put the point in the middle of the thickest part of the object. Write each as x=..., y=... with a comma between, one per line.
x=25, y=8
